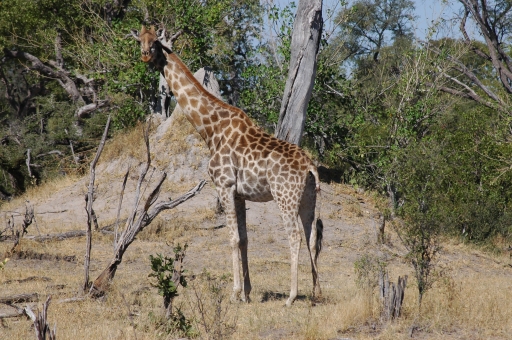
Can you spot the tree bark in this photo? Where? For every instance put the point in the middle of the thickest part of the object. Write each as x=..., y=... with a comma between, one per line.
x=306, y=35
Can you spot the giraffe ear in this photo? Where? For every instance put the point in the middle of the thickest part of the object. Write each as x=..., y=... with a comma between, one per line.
x=160, y=33
x=143, y=30
x=135, y=34
x=152, y=31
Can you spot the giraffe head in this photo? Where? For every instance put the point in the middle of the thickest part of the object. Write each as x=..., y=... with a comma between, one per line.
x=148, y=42
x=152, y=42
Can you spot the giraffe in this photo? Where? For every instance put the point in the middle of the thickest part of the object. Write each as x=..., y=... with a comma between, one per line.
x=245, y=164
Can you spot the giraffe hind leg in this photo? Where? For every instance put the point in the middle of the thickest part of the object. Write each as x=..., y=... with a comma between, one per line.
x=242, y=232
x=313, y=230
x=291, y=224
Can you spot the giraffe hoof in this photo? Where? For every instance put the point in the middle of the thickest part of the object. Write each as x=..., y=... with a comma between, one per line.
x=235, y=298
x=289, y=302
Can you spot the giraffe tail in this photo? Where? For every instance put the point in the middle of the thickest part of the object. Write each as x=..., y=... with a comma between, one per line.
x=318, y=224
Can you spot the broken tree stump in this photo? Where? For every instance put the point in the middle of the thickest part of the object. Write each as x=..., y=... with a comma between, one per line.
x=41, y=327
x=391, y=295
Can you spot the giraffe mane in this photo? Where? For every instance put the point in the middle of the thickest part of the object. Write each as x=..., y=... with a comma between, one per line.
x=183, y=68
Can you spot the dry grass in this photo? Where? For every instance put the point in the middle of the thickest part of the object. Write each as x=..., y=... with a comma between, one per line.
x=471, y=300
x=126, y=144
x=476, y=306
x=176, y=137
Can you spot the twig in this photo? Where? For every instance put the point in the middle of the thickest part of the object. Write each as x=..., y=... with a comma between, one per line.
x=119, y=207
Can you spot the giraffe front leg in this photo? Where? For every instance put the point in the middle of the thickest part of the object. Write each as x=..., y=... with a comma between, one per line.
x=227, y=197
x=235, y=244
x=242, y=233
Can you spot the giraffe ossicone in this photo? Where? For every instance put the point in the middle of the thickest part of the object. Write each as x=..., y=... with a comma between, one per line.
x=245, y=164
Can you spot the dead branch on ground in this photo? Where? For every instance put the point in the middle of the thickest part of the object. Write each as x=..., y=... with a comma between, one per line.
x=18, y=298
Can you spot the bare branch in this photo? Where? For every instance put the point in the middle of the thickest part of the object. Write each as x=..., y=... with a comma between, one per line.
x=119, y=207
x=59, y=75
x=41, y=326
x=58, y=51
x=499, y=58
x=102, y=283
x=87, y=109
x=53, y=152
x=27, y=161
x=89, y=199
x=134, y=34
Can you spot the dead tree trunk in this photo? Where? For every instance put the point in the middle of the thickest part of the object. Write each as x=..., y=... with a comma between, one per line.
x=306, y=35
x=138, y=221
x=391, y=295
x=91, y=216
x=41, y=327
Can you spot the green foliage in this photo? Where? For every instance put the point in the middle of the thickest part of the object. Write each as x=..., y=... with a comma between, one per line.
x=264, y=80
x=168, y=275
x=421, y=209
x=163, y=270
x=37, y=113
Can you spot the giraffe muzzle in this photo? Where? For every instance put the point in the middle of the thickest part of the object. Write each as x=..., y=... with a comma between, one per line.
x=146, y=57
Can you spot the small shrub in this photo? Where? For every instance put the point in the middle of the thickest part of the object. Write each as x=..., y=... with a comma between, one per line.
x=168, y=274
x=368, y=269
x=211, y=308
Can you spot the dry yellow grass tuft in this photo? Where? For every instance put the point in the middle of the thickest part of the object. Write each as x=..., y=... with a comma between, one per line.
x=127, y=144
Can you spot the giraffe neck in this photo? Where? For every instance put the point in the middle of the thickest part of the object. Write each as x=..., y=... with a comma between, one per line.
x=210, y=116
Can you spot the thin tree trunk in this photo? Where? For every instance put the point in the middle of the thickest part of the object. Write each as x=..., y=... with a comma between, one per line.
x=90, y=212
x=307, y=32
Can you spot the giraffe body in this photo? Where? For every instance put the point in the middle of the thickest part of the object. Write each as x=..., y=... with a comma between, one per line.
x=245, y=164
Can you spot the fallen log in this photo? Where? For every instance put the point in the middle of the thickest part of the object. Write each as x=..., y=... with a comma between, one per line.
x=68, y=234
x=13, y=311
x=57, y=237
x=31, y=297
